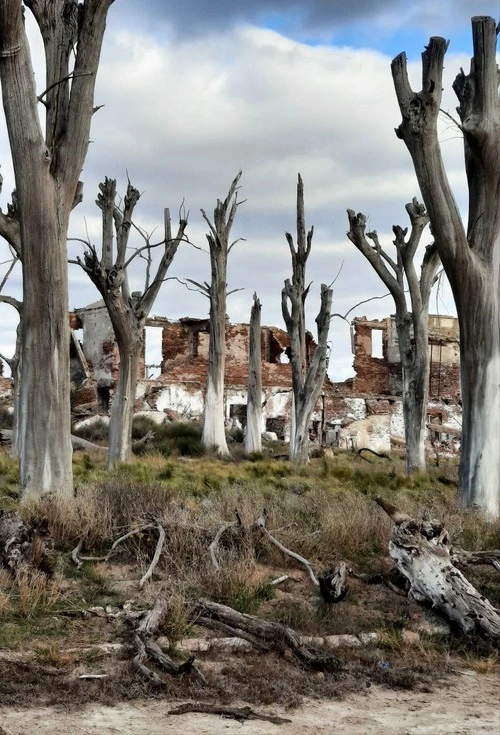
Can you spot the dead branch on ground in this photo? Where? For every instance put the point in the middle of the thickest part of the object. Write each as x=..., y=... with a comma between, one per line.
x=264, y=634
x=78, y=560
x=241, y=714
x=422, y=553
x=146, y=649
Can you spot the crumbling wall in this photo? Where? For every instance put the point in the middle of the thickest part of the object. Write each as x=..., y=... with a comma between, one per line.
x=372, y=373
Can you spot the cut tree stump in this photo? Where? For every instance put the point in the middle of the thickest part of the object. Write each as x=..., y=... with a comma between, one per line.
x=422, y=553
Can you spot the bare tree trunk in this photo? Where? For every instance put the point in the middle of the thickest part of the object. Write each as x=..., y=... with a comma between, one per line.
x=214, y=434
x=127, y=312
x=253, y=439
x=307, y=380
x=471, y=259
x=122, y=408
x=412, y=327
x=480, y=378
x=46, y=171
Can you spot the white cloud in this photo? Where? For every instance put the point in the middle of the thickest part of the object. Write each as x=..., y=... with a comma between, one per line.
x=184, y=117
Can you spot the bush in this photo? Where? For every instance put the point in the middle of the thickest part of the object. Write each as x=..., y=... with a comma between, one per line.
x=97, y=431
x=178, y=438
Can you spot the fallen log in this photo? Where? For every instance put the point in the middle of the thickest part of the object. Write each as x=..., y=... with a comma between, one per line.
x=421, y=551
x=263, y=634
x=85, y=446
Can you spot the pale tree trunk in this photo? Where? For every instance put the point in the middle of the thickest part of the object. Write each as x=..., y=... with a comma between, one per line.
x=46, y=172
x=122, y=408
x=253, y=439
x=471, y=259
x=412, y=327
x=214, y=434
x=127, y=312
x=307, y=380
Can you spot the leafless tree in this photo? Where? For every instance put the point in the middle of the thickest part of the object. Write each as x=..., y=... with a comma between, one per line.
x=412, y=326
x=127, y=311
x=253, y=439
x=47, y=167
x=308, y=375
x=470, y=257
x=219, y=247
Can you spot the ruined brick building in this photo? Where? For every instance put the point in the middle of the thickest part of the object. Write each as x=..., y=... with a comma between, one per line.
x=364, y=411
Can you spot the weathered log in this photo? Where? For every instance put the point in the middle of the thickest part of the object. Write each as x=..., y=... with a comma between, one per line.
x=21, y=545
x=147, y=649
x=266, y=634
x=421, y=551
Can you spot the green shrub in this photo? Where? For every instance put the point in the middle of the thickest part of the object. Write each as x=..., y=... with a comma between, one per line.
x=97, y=431
x=179, y=438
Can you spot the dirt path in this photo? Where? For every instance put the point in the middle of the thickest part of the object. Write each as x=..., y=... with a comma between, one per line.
x=468, y=704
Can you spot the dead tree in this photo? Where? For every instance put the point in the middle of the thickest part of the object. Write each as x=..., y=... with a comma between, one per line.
x=471, y=258
x=421, y=551
x=127, y=312
x=253, y=439
x=47, y=167
x=214, y=434
x=412, y=326
x=307, y=375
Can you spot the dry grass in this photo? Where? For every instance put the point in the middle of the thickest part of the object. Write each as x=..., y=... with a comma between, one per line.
x=325, y=511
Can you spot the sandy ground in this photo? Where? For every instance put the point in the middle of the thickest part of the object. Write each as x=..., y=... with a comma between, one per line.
x=467, y=704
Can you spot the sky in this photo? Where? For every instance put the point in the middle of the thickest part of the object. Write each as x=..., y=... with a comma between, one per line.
x=193, y=92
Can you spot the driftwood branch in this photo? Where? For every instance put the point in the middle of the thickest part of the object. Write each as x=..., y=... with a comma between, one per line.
x=241, y=714
x=156, y=557
x=261, y=523
x=215, y=542
x=77, y=559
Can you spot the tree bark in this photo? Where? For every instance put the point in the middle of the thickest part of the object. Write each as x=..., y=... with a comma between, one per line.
x=214, y=434
x=46, y=173
x=470, y=258
x=307, y=378
x=412, y=327
x=253, y=439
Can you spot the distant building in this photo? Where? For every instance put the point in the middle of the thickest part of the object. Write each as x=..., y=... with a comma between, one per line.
x=364, y=411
